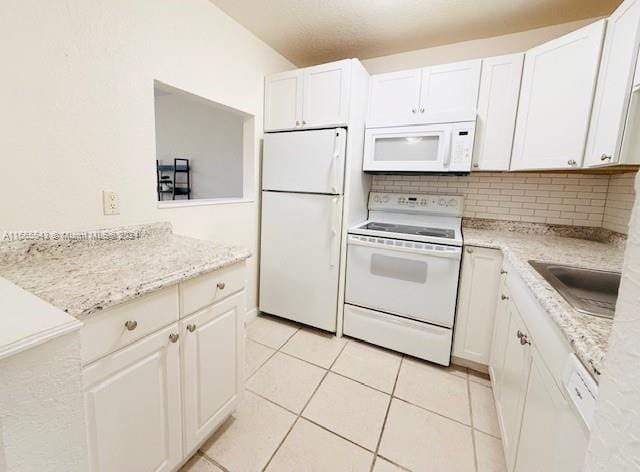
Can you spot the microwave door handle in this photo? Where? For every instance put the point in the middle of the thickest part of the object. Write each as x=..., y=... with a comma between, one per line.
x=448, y=140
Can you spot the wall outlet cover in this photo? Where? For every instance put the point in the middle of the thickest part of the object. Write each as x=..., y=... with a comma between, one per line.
x=110, y=203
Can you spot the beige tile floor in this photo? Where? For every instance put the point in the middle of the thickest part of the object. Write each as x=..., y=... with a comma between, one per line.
x=317, y=403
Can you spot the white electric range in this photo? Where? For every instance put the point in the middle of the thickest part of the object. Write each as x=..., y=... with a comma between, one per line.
x=403, y=266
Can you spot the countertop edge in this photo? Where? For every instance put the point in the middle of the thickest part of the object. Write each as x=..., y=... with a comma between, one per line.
x=583, y=350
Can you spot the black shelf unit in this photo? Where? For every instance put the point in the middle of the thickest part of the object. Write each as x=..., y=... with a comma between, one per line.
x=169, y=184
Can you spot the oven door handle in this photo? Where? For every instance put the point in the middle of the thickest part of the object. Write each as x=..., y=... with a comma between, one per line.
x=450, y=253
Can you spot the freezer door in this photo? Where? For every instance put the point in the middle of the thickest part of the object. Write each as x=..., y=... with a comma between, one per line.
x=299, y=258
x=304, y=161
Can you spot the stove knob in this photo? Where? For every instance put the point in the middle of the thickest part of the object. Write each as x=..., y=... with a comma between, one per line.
x=442, y=202
x=385, y=199
x=453, y=202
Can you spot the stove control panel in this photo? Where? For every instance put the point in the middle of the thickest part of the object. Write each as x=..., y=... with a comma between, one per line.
x=417, y=203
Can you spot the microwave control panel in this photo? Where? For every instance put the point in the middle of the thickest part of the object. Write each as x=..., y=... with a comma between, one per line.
x=462, y=147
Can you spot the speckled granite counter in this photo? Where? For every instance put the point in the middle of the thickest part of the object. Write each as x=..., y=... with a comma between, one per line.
x=84, y=273
x=587, y=334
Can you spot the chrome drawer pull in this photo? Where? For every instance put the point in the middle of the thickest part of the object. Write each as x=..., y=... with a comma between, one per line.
x=173, y=337
x=504, y=297
x=131, y=325
x=221, y=285
x=191, y=327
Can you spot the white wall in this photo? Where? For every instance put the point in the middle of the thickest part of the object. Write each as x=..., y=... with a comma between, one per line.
x=614, y=444
x=78, y=112
x=209, y=136
x=478, y=48
x=42, y=425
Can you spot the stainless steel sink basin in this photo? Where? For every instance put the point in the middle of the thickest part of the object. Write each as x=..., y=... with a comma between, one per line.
x=593, y=292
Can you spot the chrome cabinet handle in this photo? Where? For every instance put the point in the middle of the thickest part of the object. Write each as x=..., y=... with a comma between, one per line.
x=469, y=250
x=131, y=325
x=304, y=122
x=604, y=157
x=519, y=334
x=571, y=162
x=421, y=110
x=414, y=110
x=502, y=271
x=221, y=285
x=297, y=123
x=476, y=165
x=191, y=327
x=173, y=337
x=504, y=297
x=524, y=340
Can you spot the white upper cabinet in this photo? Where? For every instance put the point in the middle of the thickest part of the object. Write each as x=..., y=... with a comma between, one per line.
x=450, y=92
x=436, y=94
x=615, y=82
x=556, y=98
x=394, y=98
x=497, y=108
x=326, y=94
x=315, y=97
x=283, y=101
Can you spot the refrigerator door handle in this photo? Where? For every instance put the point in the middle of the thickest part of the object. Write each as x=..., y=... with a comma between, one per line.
x=334, y=173
x=335, y=177
x=334, y=232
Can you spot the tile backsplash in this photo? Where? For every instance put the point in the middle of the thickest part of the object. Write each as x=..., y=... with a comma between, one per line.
x=576, y=199
x=620, y=197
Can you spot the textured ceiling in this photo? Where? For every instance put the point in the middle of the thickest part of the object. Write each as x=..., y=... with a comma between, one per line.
x=314, y=31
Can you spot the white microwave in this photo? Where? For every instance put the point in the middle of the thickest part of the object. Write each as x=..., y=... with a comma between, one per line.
x=446, y=147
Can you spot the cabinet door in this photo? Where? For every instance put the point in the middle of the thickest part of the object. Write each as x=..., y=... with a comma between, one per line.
x=326, y=95
x=552, y=437
x=450, y=92
x=394, y=99
x=499, y=340
x=132, y=403
x=479, y=284
x=497, y=107
x=558, y=83
x=212, y=359
x=283, y=101
x=517, y=361
x=615, y=81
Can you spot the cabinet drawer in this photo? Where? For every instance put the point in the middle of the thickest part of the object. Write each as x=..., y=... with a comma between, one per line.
x=105, y=333
x=206, y=289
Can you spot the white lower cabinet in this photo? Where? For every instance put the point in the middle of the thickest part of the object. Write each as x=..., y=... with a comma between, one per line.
x=515, y=373
x=540, y=429
x=499, y=342
x=150, y=404
x=211, y=374
x=479, y=283
x=132, y=402
x=547, y=438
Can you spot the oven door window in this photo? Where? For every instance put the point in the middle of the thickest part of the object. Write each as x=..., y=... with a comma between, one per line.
x=425, y=148
x=407, y=270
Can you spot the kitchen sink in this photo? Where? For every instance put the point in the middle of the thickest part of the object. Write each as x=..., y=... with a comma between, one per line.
x=593, y=292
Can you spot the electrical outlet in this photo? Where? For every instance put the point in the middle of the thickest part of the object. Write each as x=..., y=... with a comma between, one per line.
x=110, y=203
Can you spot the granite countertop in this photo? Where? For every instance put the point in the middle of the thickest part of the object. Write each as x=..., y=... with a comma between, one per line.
x=588, y=335
x=84, y=273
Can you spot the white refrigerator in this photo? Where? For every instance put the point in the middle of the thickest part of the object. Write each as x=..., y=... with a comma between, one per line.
x=302, y=185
